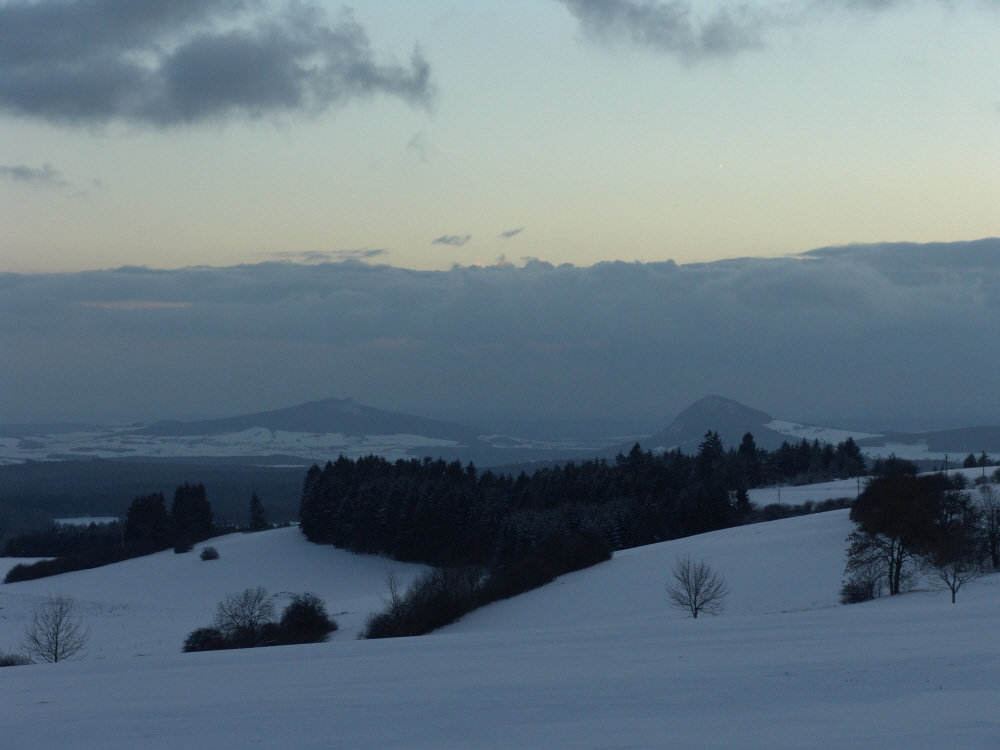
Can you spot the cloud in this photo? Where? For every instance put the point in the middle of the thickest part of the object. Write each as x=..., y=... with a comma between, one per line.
x=672, y=27
x=421, y=146
x=326, y=256
x=452, y=239
x=511, y=233
x=892, y=327
x=168, y=62
x=46, y=176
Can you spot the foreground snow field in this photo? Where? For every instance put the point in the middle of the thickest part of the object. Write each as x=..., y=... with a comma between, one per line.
x=595, y=660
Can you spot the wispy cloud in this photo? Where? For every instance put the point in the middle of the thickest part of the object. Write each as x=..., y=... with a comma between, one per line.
x=452, y=239
x=326, y=256
x=167, y=62
x=674, y=27
x=511, y=233
x=46, y=176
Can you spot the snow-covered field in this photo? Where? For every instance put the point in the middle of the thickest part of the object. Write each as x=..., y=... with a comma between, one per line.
x=594, y=660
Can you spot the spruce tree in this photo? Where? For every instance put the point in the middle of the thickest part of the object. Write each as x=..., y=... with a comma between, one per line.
x=258, y=519
x=191, y=514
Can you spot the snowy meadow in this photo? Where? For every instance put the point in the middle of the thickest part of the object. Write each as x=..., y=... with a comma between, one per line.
x=595, y=660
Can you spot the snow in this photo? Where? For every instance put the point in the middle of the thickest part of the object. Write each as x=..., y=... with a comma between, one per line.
x=594, y=660
x=812, y=432
x=797, y=495
x=85, y=520
x=148, y=605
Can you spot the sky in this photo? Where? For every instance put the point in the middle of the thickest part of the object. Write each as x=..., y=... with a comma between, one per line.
x=572, y=208
x=172, y=133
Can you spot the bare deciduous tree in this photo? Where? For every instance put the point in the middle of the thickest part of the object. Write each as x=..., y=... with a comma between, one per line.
x=56, y=632
x=953, y=573
x=242, y=617
x=696, y=588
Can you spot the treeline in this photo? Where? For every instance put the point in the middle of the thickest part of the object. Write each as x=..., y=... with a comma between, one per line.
x=444, y=513
x=149, y=527
x=32, y=494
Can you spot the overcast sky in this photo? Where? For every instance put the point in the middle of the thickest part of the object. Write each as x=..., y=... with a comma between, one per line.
x=170, y=133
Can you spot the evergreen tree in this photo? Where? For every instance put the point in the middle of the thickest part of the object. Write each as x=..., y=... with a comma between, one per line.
x=146, y=521
x=258, y=519
x=191, y=515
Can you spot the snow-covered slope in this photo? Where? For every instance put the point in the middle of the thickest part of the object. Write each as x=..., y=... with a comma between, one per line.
x=594, y=660
x=149, y=604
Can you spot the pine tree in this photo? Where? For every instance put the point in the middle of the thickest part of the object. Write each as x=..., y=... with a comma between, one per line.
x=146, y=521
x=258, y=519
x=191, y=515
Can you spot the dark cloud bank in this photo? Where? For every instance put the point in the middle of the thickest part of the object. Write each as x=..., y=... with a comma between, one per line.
x=165, y=62
x=887, y=328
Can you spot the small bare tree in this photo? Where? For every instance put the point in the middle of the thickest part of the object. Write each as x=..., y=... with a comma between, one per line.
x=56, y=632
x=241, y=617
x=952, y=574
x=696, y=588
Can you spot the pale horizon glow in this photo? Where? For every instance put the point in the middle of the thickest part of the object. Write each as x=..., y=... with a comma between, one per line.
x=849, y=125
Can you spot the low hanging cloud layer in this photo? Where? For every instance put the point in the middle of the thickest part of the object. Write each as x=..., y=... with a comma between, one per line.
x=887, y=327
x=165, y=62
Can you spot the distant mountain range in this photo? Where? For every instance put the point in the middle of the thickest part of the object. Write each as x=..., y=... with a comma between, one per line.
x=322, y=430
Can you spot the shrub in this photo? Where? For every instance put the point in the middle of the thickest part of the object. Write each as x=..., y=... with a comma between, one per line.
x=305, y=620
x=181, y=547
x=209, y=553
x=14, y=660
x=206, y=639
x=241, y=617
x=246, y=620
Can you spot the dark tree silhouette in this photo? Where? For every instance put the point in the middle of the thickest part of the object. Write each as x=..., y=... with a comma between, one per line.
x=258, y=518
x=696, y=588
x=146, y=521
x=191, y=515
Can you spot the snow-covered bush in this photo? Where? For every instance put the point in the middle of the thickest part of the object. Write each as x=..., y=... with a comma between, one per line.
x=209, y=553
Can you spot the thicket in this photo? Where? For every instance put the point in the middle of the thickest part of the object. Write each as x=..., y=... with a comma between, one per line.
x=247, y=620
x=443, y=595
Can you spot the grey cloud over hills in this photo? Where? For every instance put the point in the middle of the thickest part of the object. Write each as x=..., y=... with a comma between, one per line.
x=166, y=62
x=893, y=326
